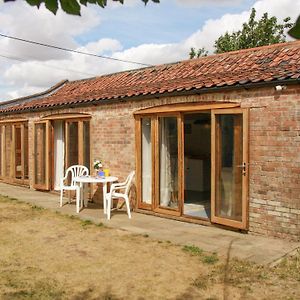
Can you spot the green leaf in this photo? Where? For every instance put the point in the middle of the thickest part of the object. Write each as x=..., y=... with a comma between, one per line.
x=295, y=30
x=83, y=2
x=101, y=3
x=52, y=5
x=71, y=7
x=34, y=2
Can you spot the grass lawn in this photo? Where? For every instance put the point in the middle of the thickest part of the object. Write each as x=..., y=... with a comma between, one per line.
x=46, y=255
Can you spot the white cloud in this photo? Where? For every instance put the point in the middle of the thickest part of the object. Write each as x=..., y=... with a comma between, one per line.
x=31, y=76
x=26, y=22
x=197, y=3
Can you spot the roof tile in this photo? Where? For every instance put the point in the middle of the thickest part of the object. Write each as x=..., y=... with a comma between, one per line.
x=263, y=64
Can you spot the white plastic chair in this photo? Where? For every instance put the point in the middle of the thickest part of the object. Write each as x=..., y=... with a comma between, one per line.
x=115, y=195
x=76, y=171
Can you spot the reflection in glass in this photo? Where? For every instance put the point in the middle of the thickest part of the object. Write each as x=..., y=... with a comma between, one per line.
x=229, y=146
x=168, y=154
x=40, y=154
x=8, y=151
x=146, y=161
x=73, y=143
x=18, y=152
x=26, y=172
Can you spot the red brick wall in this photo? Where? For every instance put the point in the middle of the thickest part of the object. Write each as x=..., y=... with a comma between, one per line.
x=274, y=177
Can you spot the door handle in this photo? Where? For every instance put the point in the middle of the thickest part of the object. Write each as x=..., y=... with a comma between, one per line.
x=244, y=168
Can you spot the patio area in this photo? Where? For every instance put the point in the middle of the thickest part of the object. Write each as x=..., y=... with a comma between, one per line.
x=258, y=249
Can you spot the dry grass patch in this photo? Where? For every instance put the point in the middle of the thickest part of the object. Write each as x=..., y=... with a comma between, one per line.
x=46, y=255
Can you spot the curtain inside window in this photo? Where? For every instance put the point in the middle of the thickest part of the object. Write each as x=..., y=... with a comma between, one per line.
x=168, y=162
x=146, y=161
x=58, y=153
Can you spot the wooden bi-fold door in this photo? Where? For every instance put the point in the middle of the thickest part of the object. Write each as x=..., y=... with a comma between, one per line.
x=229, y=158
x=42, y=149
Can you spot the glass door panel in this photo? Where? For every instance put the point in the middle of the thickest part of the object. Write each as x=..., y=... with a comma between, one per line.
x=41, y=154
x=86, y=144
x=25, y=151
x=229, y=160
x=146, y=160
x=72, y=143
x=8, y=170
x=1, y=151
x=168, y=163
x=18, y=152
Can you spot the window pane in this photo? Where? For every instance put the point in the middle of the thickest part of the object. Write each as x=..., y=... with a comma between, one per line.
x=168, y=153
x=26, y=173
x=8, y=150
x=40, y=154
x=229, y=167
x=73, y=144
x=1, y=150
x=86, y=144
x=18, y=153
x=146, y=161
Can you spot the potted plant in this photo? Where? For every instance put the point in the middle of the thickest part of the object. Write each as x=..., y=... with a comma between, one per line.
x=98, y=167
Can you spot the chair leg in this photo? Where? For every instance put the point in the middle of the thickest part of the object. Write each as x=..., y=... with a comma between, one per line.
x=61, y=197
x=69, y=194
x=77, y=200
x=108, y=207
x=127, y=206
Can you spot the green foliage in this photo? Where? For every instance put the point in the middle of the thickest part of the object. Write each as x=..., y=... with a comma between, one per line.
x=194, y=250
x=255, y=33
x=194, y=53
x=210, y=259
x=72, y=7
x=295, y=30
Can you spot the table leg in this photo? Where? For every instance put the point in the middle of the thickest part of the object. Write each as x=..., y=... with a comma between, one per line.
x=104, y=197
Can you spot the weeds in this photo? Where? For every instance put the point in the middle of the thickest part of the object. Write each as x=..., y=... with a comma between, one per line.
x=210, y=259
x=194, y=250
x=201, y=282
x=42, y=289
x=86, y=223
x=37, y=208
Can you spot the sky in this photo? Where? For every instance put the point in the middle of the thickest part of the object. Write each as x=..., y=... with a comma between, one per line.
x=152, y=34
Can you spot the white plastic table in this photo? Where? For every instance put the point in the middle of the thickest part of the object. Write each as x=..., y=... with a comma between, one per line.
x=92, y=179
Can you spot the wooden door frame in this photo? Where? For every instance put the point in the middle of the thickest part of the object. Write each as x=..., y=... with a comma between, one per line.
x=48, y=151
x=154, y=113
x=67, y=119
x=156, y=207
x=1, y=150
x=11, y=178
x=138, y=150
x=245, y=179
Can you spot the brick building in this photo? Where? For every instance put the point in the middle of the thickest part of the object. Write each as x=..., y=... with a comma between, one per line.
x=213, y=140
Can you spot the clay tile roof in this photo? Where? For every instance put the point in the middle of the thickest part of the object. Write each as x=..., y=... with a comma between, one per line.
x=248, y=66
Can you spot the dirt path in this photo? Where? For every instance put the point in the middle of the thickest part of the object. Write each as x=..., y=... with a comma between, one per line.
x=44, y=255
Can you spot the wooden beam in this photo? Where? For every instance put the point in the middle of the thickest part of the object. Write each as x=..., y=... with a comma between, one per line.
x=66, y=116
x=2, y=151
x=13, y=121
x=138, y=168
x=22, y=152
x=185, y=107
x=13, y=153
x=80, y=142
